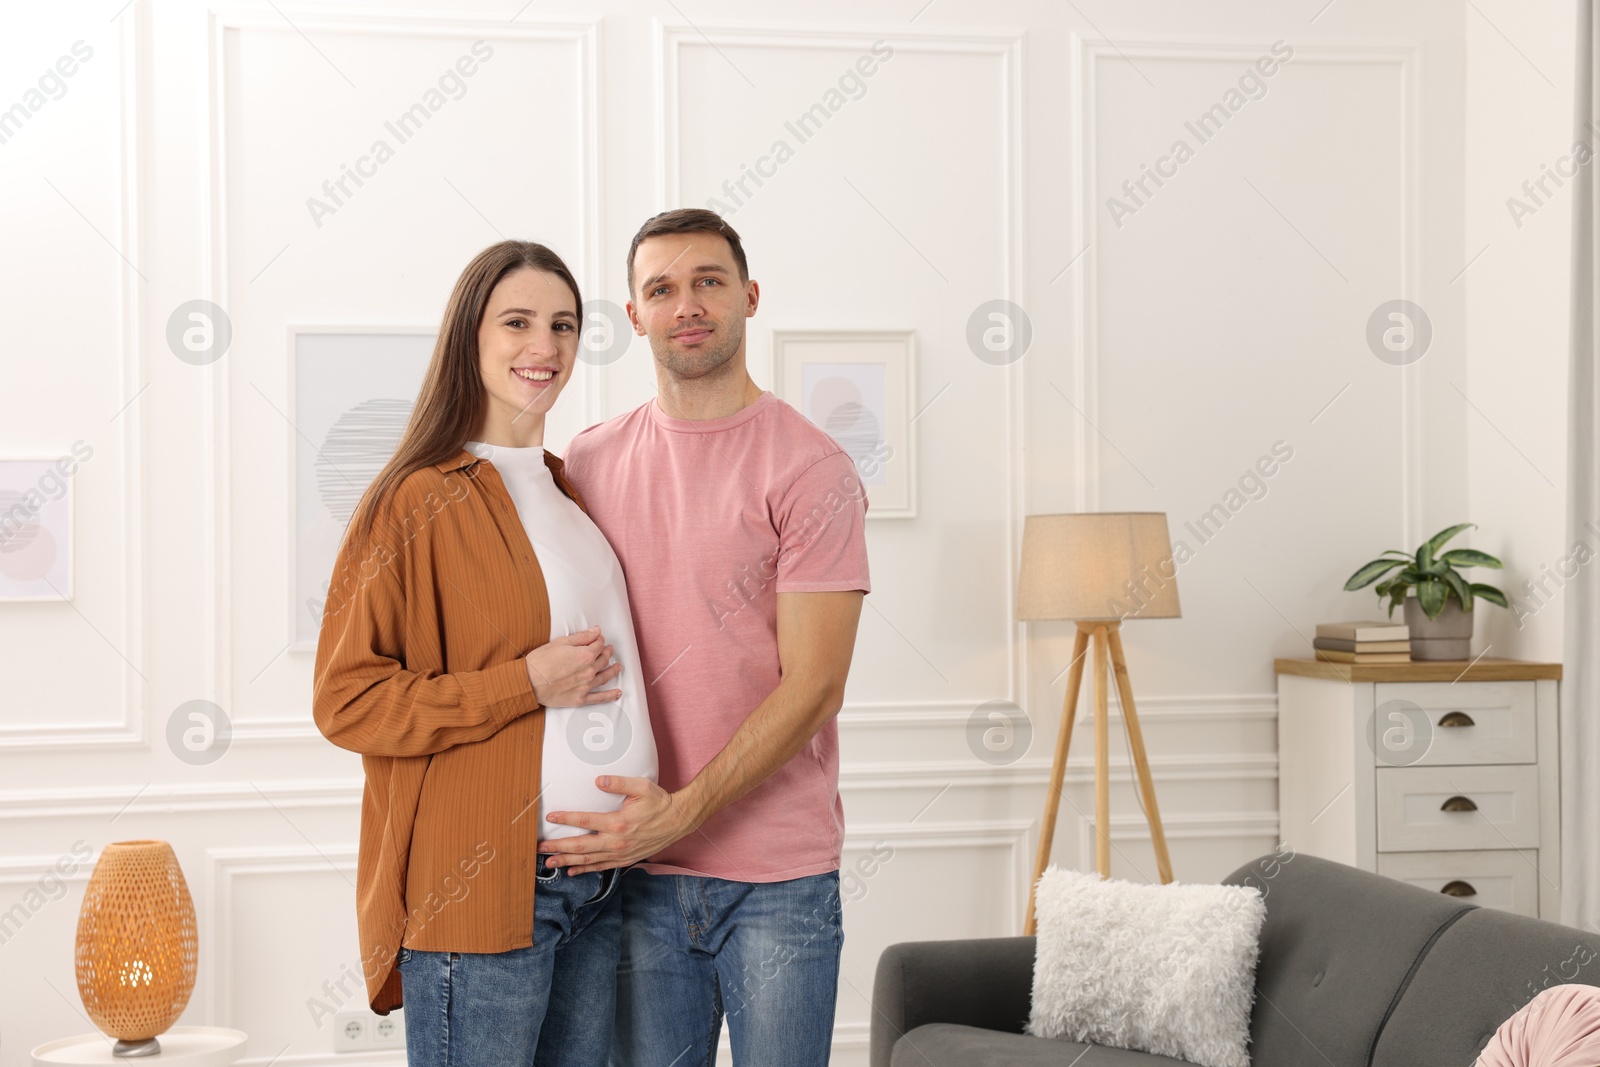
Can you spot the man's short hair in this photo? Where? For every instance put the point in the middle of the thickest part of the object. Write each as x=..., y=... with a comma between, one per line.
x=689, y=220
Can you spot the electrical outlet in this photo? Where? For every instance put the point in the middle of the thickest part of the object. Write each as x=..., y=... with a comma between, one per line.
x=350, y=1032
x=359, y=1030
x=388, y=1031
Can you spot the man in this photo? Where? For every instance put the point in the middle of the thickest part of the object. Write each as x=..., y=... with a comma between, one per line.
x=740, y=528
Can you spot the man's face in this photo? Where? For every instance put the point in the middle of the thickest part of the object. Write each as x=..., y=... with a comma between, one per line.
x=688, y=300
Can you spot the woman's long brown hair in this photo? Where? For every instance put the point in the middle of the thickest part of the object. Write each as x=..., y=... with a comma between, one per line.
x=452, y=398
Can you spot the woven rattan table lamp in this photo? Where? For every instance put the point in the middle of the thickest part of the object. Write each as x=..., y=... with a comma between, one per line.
x=1098, y=569
x=136, y=949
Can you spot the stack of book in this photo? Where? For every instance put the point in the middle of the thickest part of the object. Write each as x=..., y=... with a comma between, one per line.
x=1363, y=642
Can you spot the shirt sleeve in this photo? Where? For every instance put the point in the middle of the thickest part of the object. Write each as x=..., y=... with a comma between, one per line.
x=822, y=535
x=574, y=459
x=363, y=697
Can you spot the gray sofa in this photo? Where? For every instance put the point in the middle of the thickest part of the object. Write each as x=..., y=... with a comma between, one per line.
x=1356, y=970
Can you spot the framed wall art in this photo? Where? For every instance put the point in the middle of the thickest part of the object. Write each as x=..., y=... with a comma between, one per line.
x=858, y=386
x=351, y=391
x=35, y=530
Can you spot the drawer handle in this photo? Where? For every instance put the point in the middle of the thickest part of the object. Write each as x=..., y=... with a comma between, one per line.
x=1458, y=804
x=1459, y=888
x=1457, y=718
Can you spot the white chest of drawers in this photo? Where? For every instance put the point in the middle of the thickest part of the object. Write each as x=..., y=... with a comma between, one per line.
x=1435, y=773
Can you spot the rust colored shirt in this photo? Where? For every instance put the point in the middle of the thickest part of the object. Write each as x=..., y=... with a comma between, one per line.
x=420, y=669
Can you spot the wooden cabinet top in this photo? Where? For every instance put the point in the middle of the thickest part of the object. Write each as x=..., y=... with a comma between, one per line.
x=1485, y=669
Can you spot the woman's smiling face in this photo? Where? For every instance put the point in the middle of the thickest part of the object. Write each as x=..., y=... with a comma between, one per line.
x=527, y=347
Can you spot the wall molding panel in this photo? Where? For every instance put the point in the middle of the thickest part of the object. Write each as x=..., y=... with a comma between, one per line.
x=132, y=367
x=584, y=39
x=1085, y=372
x=226, y=867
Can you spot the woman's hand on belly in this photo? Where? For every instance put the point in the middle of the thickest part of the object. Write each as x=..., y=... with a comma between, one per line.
x=569, y=670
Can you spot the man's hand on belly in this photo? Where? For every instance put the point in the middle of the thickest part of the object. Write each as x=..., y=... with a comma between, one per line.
x=816, y=637
x=648, y=821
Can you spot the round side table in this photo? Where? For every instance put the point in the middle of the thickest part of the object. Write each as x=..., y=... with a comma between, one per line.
x=191, y=1046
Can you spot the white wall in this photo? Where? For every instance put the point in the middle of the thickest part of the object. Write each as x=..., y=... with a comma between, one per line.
x=1171, y=352
x=1519, y=123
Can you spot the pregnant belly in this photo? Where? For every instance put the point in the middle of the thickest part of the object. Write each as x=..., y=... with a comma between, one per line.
x=581, y=744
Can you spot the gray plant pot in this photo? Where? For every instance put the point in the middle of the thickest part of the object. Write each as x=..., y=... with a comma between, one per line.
x=1447, y=637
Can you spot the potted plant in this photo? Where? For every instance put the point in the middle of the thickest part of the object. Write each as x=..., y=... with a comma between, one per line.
x=1440, y=614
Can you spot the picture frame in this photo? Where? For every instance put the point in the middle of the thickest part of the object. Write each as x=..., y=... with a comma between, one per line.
x=350, y=394
x=36, y=529
x=858, y=386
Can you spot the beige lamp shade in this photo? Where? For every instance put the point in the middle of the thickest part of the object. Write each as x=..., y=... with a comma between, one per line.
x=1097, y=566
x=136, y=948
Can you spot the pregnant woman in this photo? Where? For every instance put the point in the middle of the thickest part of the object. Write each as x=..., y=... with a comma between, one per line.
x=465, y=651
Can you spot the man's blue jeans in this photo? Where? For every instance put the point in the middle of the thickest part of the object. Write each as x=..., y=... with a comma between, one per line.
x=549, y=1005
x=764, y=954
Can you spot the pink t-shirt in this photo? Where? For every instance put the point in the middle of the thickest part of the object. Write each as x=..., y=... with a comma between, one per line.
x=712, y=520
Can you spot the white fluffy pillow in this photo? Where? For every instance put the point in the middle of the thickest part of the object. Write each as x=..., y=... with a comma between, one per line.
x=1163, y=969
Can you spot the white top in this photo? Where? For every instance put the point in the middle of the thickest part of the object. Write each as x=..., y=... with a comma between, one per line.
x=586, y=588
x=192, y=1046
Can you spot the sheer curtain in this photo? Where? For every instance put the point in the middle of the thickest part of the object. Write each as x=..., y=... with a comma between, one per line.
x=1580, y=688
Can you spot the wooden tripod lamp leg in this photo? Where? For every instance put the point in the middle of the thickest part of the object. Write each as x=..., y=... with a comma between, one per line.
x=1141, y=762
x=1052, y=800
x=1102, y=759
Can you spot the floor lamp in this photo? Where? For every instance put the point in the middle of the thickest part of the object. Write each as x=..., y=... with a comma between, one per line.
x=1098, y=569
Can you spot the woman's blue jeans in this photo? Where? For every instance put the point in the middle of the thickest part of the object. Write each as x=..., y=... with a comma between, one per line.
x=548, y=1005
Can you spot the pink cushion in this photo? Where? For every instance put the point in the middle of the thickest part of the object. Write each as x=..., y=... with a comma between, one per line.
x=1558, y=1028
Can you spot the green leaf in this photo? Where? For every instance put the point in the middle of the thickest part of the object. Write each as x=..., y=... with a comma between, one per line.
x=1469, y=557
x=1460, y=588
x=1371, y=572
x=1395, y=588
x=1431, y=594
x=1444, y=535
x=1490, y=593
